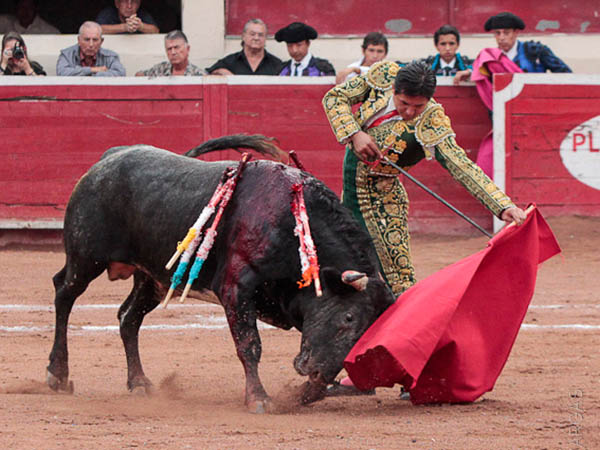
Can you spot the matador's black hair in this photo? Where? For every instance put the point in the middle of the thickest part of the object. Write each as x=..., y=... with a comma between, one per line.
x=415, y=80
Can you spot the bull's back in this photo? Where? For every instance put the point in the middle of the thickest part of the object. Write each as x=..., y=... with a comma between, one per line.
x=136, y=203
x=137, y=198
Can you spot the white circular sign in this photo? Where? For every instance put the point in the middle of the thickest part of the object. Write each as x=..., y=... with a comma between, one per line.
x=580, y=152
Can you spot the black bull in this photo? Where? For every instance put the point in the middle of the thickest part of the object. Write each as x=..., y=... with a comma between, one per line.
x=128, y=211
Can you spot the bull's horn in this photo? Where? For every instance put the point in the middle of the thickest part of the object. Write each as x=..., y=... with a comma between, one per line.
x=357, y=280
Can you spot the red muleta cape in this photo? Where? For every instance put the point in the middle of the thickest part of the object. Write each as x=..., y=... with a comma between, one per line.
x=447, y=338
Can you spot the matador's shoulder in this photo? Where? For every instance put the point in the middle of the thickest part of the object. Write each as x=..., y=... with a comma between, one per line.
x=434, y=125
x=382, y=74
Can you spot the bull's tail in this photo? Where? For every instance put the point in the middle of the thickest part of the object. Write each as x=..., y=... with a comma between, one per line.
x=257, y=142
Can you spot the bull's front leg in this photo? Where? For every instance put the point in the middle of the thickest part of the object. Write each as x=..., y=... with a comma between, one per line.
x=241, y=316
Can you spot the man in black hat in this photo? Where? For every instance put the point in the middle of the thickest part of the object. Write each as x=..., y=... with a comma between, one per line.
x=511, y=56
x=298, y=35
x=530, y=56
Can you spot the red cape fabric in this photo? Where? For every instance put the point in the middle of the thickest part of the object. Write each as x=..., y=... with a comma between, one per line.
x=447, y=338
x=488, y=62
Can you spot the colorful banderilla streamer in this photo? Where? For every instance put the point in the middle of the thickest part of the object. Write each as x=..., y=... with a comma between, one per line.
x=306, y=249
x=221, y=197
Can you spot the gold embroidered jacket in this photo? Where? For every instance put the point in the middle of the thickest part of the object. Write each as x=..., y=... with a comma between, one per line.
x=406, y=142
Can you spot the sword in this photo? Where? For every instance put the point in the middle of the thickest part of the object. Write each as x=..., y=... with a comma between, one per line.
x=437, y=197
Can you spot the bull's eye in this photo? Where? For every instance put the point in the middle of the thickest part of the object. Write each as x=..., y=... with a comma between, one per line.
x=349, y=317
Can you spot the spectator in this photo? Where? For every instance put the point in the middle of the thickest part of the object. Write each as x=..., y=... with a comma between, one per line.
x=529, y=56
x=87, y=57
x=297, y=36
x=511, y=56
x=26, y=20
x=14, y=57
x=374, y=49
x=253, y=59
x=448, y=61
x=178, y=50
x=126, y=17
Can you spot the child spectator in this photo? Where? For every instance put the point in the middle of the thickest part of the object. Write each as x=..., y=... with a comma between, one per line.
x=374, y=49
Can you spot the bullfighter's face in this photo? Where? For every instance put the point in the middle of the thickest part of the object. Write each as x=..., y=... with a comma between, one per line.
x=506, y=38
x=410, y=107
x=298, y=50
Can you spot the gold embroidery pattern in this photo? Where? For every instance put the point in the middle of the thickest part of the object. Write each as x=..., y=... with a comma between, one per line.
x=384, y=206
x=434, y=126
x=372, y=90
x=381, y=75
x=467, y=173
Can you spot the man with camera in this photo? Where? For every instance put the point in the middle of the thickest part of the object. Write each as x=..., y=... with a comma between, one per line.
x=14, y=57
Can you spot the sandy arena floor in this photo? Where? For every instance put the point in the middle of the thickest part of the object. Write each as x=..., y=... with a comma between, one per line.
x=548, y=396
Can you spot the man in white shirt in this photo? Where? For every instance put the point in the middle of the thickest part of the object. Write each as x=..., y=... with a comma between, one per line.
x=374, y=49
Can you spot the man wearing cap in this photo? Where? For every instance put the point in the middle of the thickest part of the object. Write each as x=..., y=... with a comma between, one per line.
x=529, y=56
x=511, y=56
x=298, y=35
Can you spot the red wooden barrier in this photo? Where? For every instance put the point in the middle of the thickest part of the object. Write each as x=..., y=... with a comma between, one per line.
x=53, y=130
x=547, y=133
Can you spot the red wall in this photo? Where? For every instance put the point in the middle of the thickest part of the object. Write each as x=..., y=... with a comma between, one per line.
x=52, y=134
x=359, y=17
x=537, y=122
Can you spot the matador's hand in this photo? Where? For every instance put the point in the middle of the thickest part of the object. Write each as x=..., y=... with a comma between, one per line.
x=365, y=146
x=513, y=214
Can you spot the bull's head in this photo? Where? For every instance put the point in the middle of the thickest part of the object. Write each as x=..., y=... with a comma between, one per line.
x=333, y=323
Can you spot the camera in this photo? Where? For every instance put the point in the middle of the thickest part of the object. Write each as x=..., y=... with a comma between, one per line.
x=18, y=52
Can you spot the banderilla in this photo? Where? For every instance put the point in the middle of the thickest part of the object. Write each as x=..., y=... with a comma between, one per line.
x=436, y=196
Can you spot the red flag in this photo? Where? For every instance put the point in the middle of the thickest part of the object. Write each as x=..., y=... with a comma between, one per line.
x=447, y=338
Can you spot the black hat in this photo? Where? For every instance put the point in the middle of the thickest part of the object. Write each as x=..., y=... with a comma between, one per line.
x=296, y=32
x=504, y=20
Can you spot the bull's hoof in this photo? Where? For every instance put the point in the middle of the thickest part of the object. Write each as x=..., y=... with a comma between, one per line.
x=260, y=407
x=141, y=391
x=141, y=386
x=312, y=392
x=58, y=384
